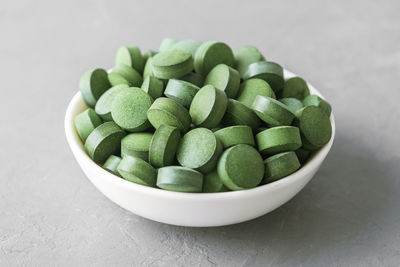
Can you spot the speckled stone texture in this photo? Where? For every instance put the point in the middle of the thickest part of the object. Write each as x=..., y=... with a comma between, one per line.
x=51, y=215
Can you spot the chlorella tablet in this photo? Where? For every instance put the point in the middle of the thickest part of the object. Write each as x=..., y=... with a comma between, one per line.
x=153, y=86
x=86, y=122
x=302, y=154
x=172, y=64
x=246, y=55
x=163, y=146
x=251, y=88
x=124, y=74
x=295, y=87
x=278, y=139
x=271, y=111
x=130, y=56
x=138, y=171
x=111, y=164
x=167, y=43
x=270, y=72
x=193, y=78
x=180, y=179
x=234, y=135
x=104, y=104
x=187, y=45
x=292, y=103
x=136, y=145
x=280, y=165
x=92, y=85
x=224, y=78
x=314, y=100
x=212, y=183
x=210, y=54
x=181, y=91
x=238, y=114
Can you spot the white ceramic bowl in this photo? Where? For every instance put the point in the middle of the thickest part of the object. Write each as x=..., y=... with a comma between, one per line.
x=191, y=209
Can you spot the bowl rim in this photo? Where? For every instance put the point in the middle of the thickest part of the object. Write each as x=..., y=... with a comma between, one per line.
x=77, y=148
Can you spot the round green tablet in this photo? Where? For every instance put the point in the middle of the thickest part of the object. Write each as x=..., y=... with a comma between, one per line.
x=181, y=91
x=314, y=100
x=199, y=149
x=213, y=183
x=279, y=166
x=179, y=179
x=172, y=64
x=123, y=74
x=136, y=145
x=238, y=114
x=268, y=71
x=138, y=171
x=271, y=111
x=187, y=45
x=148, y=68
x=241, y=167
x=86, y=122
x=234, y=135
x=92, y=85
x=246, y=55
x=163, y=146
x=169, y=112
x=224, y=78
x=315, y=127
x=130, y=56
x=278, y=139
x=104, y=104
x=208, y=107
x=153, y=86
x=292, y=103
x=167, y=43
x=251, y=88
x=295, y=87
x=148, y=54
x=104, y=141
x=302, y=155
x=210, y=54
x=129, y=109
x=111, y=164
x=193, y=78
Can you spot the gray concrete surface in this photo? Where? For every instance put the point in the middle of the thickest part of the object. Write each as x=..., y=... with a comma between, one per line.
x=349, y=215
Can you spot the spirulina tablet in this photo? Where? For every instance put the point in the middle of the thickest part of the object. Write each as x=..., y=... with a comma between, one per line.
x=129, y=109
x=199, y=149
x=136, y=145
x=181, y=91
x=234, y=135
x=130, y=56
x=246, y=55
x=302, y=154
x=314, y=100
x=238, y=114
x=292, y=103
x=193, y=78
x=172, y=64
x=187, y=45
x=224, y=78
x=268, y=71
x=212, y=183
x=251, y=88
x=148, y=54
x=271, y=111
x=86, y=122
x=163, y=146
x=295, y=87
x=138, y=171
x=104, y=104
x=104, y=141
x=169, y=112
x=92, y=85
x=208, y=107
x=124, y=74
x=278, y=139
x=153, y=86
x=167, y=43
x=111, y=164
x=210, y=54
x=148, y=68
x=280, y=165
x=241, y=167
x=179, y=179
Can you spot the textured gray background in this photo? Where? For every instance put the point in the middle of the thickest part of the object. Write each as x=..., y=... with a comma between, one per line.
x=349, y=215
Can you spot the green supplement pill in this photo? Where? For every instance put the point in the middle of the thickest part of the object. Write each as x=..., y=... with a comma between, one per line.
x=278, y=139
x=210, y=54
x=130, y=56
x=314, y=100
x=193, y=78
x=167, y=43
x=123, y=74
x=246, y=55
x=224, y=78
x=315, y=127
x=129, y=109
x=302, y=155
x=271, y=111
x=238, y=114
x=148, y=54
x=251, y=88
x=295, y=87
x=181, y=91
x=212, y=183
x=136, y=145
x=104, y=141
x=234, y=135
x=104, y=104
x=199, y=149
x=279, y=166
x=153, y=86
x=180, y=179
x=293, y=104
x=86, y=122
x=138, y=171
x=208, y=107
x=163, y=146
x=92, y=85
x=148, y=68
x=187, y=45
x=268, y=71
x=241, y=167
x=172, y=64
x=111, y=164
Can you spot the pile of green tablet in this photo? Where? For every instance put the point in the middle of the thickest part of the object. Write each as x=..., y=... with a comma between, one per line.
x=199, y=117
